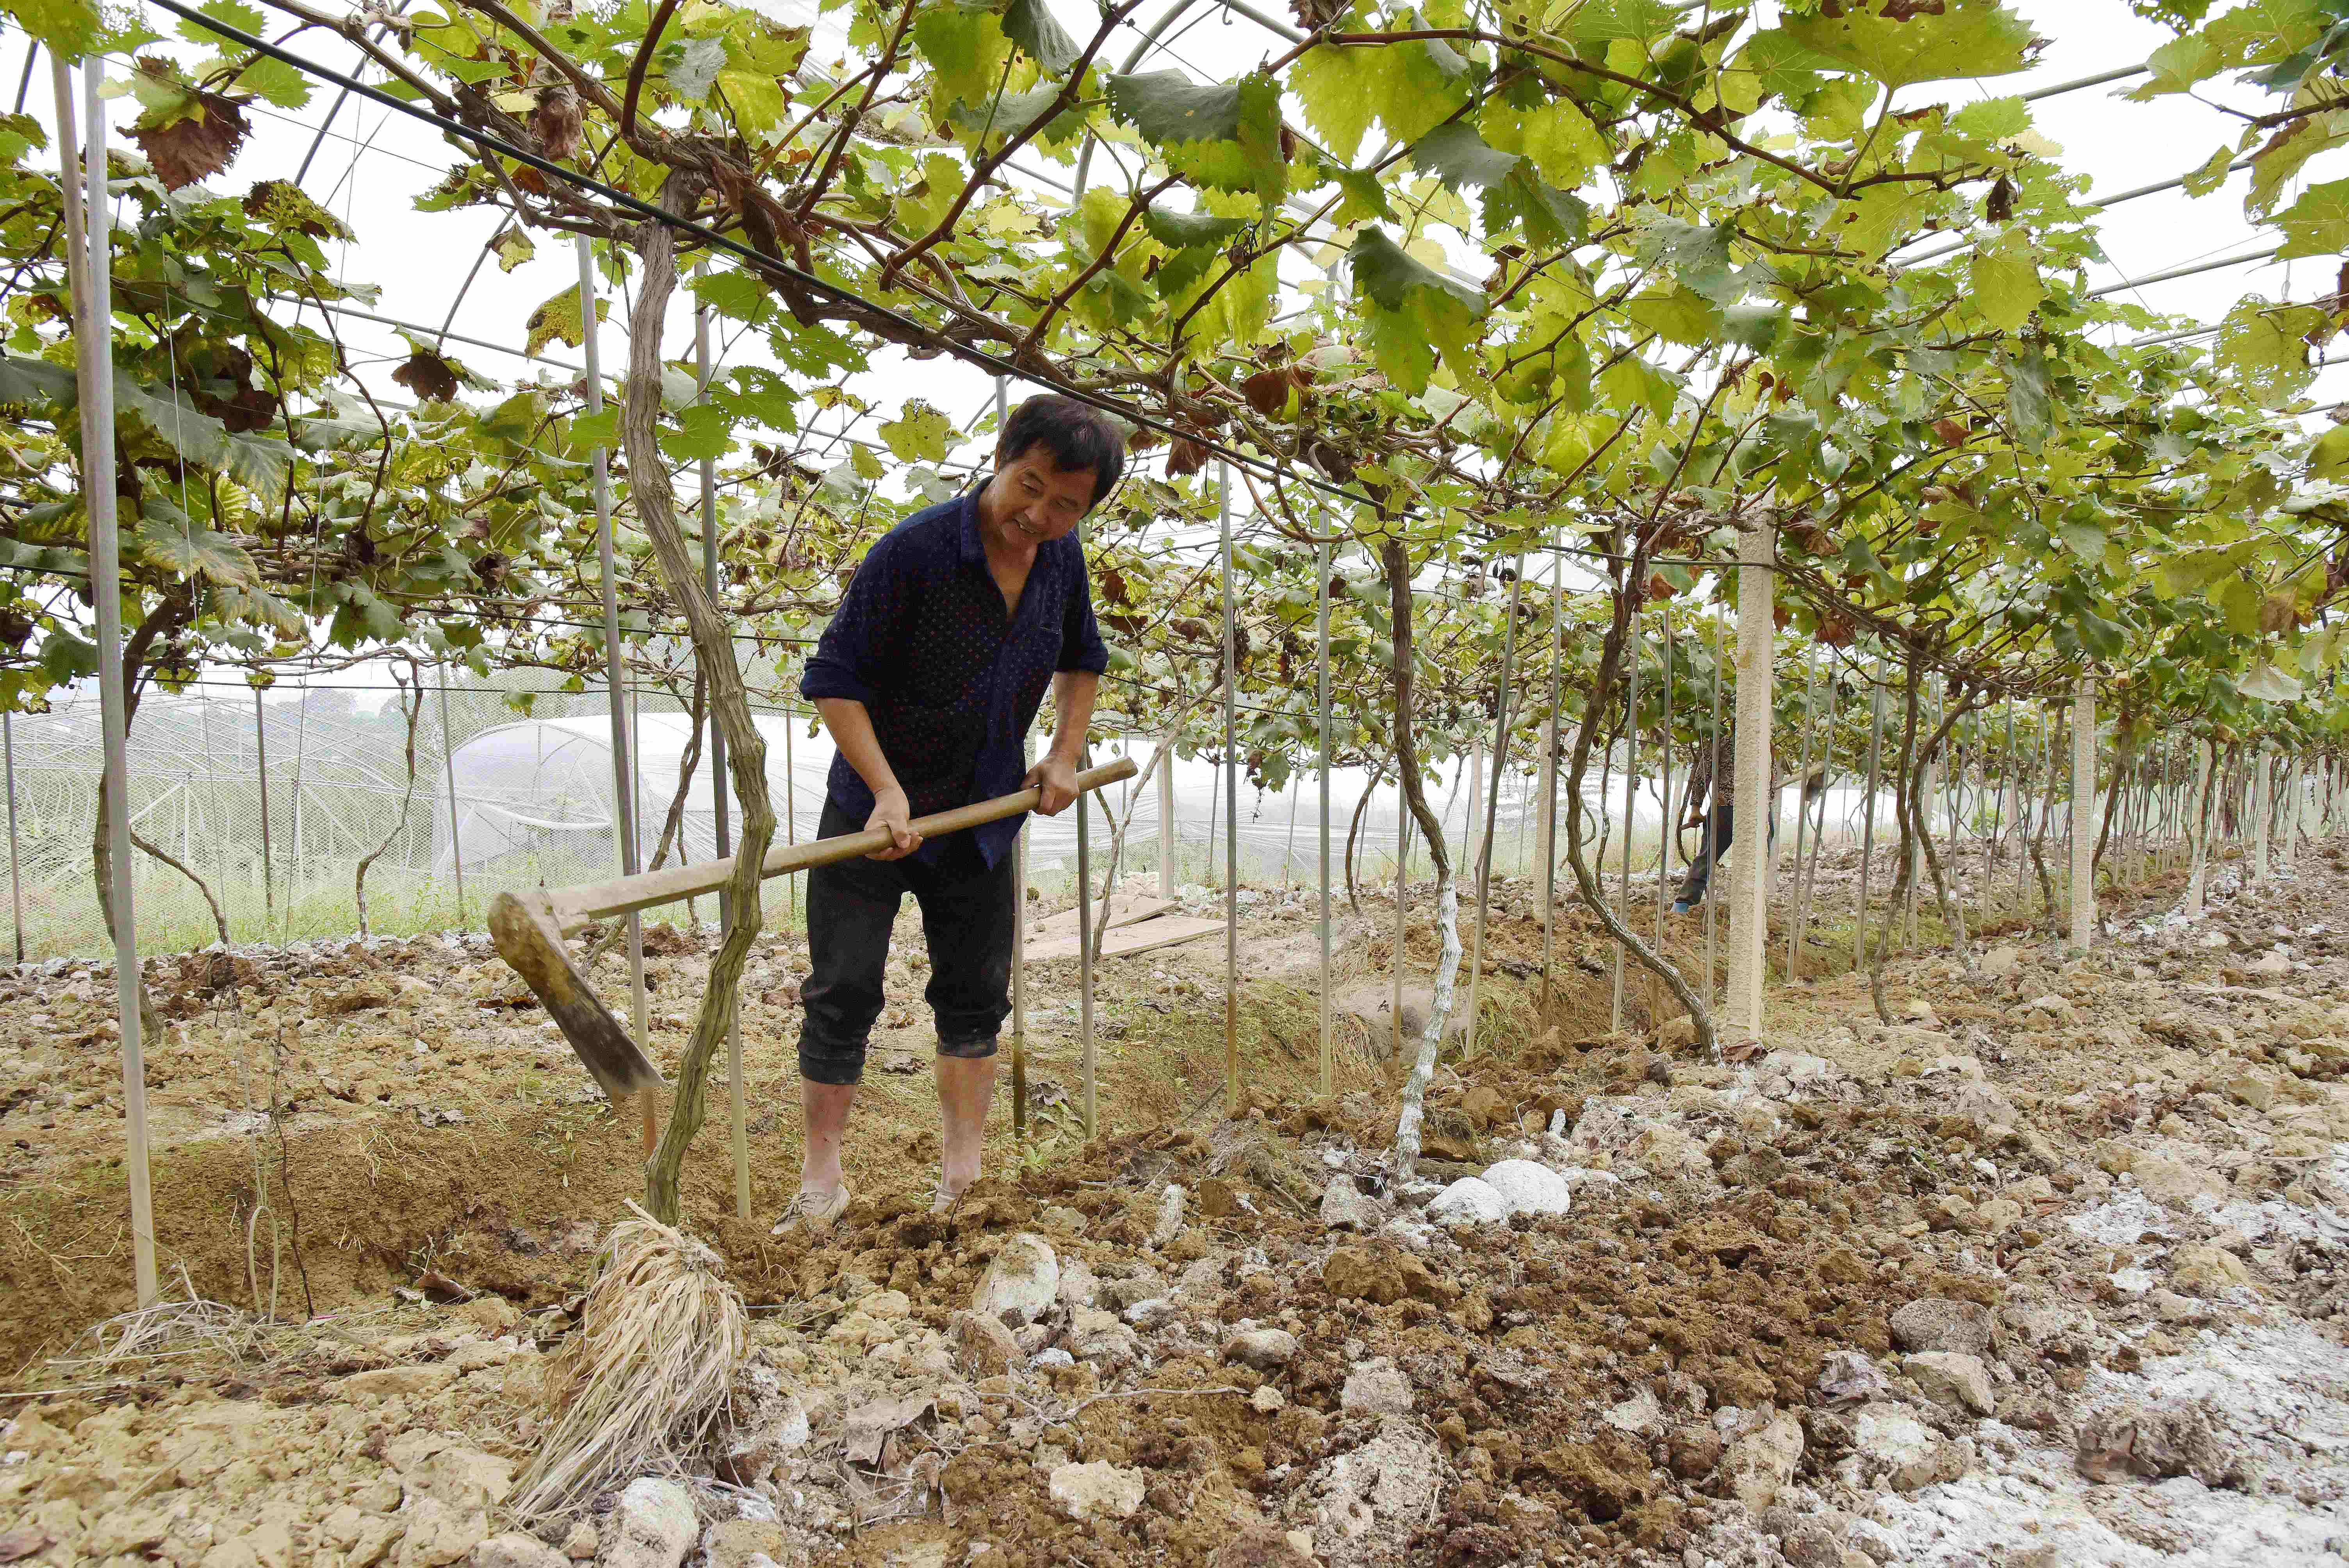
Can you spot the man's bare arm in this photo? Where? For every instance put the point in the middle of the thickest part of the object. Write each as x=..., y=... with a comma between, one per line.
x=1073, y=692
x=851, y=727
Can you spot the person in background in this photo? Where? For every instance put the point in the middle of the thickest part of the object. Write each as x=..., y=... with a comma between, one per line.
x=929, y=679
x=1720, y=822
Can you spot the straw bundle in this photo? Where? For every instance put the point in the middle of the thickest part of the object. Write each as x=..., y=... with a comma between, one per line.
x=646, y=1376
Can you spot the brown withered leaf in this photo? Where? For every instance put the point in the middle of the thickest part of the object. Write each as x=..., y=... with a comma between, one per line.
x=427, y=375
x=196, y=146
x=556, y=123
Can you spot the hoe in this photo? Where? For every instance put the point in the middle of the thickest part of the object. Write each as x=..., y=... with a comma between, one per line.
x=529, y=928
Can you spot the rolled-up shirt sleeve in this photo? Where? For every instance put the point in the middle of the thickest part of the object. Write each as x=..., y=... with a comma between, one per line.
x=849, y=658
x=1081, y=647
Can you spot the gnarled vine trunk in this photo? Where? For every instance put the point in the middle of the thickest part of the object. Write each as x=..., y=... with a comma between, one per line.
x=412, y=711
x=1586, y=880
x=1395, y=557
x=713, y=648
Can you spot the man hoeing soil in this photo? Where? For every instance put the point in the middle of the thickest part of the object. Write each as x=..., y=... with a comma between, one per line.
x=928, y=679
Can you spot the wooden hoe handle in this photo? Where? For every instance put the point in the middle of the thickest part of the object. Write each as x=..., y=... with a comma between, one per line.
x=575, y=907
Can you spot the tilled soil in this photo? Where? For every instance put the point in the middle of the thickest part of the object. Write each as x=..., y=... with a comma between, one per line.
x=2045, y=1271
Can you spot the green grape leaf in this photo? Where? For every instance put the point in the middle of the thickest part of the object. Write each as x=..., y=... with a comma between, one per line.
x=1781, y=67
x=1222, y=134
x=171, y=540
x=557, y=320
x=1456, y=155
x=2030, y=400
x=922, y=433
x=2265, y=348
x=967, y=50
x=2006, y=287
x=1416, y=312
x=1968, y=38
x=697, y=68
x=1340, y=100
x=1179, y=231
x=2212, y=172
x=2268, y=683
x=1031, y=25
x=1994, y=119
x=702, y=432
x=2318, y=223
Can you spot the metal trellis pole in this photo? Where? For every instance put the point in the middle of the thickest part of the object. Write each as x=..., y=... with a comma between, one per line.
x=1501, y=716
x=1235, y=1101
x=1802, y=812
x=16, y=884
x=90, y=261
x=1712, y=841
x=1630, y=805
x=1868, y=810
x=1322, y=662
x=260, y=778
x=448, y=768
x=624, y=813
x=1550, y=773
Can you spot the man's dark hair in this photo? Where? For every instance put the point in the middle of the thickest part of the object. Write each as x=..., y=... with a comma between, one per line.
x=1076, y=434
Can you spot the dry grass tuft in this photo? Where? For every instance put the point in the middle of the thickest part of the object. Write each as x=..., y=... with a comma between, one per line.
x=647, y=1377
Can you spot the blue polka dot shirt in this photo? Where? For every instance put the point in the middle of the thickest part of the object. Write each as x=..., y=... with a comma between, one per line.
x=952, y=681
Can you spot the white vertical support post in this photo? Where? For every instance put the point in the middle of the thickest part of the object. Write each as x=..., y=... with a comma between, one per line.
x=1322, y=664
x=1550, y=773
x=1166, y=834
x=2199, y=848
x=738, y=1092
x=1468, y=816
x=15, y=883
x=623, y=811
x=1403, y=878
x=261, y=784
x=1235, y=1098
x=2084, y=790
x=1630, y=801
x=1749, y=909
x=449, y=768
x=89, y=263
x=2260, y=766
x=1490, y=810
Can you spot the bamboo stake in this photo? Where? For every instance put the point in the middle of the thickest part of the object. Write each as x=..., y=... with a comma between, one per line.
x=1234, y=1099
x=1549, y=777
x=1802, y=811
x=449, y=767
x=1501, y=716
x=1631, y=804
x=260, y=778
x=2084, y=784
x=624, y=805
x=1749, y=913
x=1712, y=842
x=1806, y=875
x=1868, y=810
x=1403, y=876
x=1665, y=816
x=1321, y=666
x=16, y=886
x=89, y=258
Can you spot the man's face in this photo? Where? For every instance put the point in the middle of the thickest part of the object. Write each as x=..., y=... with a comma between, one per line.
x=1035, y=499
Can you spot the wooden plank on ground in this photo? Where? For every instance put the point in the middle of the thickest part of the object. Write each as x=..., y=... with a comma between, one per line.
x=1140, y=937
x=1125, y=909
